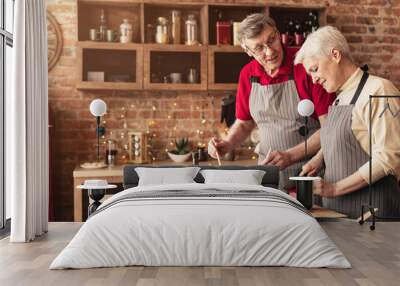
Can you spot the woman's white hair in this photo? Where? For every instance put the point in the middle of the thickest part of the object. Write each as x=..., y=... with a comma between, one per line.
x=320, y=44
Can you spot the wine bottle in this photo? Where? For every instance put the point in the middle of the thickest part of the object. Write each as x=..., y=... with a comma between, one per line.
x=313, y=21
x=103, y=26
x=298, y=34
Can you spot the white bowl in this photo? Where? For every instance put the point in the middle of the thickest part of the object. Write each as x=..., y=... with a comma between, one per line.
x=179, y=158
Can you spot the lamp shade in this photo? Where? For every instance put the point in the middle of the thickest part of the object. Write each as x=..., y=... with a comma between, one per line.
x=98, y=107
x=305, y=107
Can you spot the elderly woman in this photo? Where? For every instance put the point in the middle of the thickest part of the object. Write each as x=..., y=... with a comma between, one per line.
x=325, y=55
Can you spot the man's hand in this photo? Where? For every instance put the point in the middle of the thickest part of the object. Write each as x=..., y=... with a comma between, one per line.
x=281, y=159
x=218, y=145
x=324, y=189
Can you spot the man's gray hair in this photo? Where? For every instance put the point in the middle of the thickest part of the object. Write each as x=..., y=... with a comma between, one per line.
x=254, y=25
x=320, y=44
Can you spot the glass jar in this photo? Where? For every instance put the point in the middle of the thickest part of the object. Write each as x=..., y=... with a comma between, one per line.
x=162, y=31
x=176, y=26
x=191, y=30
x=126, y=31
x=111, y=152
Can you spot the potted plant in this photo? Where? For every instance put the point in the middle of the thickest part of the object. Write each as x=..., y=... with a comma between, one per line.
x=181, y=153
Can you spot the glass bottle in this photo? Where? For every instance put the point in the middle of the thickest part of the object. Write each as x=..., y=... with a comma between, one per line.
x=298, y=34
x=314, y=21
x=111, y=152
x=191, y=30
x=103, y=26
x=176, y=26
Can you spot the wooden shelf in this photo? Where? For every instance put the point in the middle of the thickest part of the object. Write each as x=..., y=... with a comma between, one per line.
x=91, y=85
x=218, y=67
x=109, y=46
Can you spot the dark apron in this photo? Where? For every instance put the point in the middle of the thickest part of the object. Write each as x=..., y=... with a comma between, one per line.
x=274, y=110
x=343, y=155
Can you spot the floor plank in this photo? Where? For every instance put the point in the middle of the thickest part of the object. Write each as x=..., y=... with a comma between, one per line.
x=375, y=257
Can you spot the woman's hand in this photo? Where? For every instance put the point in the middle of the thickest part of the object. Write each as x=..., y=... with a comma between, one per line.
x=324, y=189
x=280, y=159
x=312, y=167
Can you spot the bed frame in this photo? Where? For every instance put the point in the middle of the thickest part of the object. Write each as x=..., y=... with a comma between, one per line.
x=270, y=179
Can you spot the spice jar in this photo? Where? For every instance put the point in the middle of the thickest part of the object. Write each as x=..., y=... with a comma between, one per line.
x=126, y=32
x=162, y=31
x=191, y=30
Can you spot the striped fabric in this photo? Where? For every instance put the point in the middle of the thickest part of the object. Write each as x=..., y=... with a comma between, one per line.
x=343, y=156
x=274, y=109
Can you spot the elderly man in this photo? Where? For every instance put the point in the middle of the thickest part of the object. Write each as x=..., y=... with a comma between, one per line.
x=344, y=136
x=270, y=87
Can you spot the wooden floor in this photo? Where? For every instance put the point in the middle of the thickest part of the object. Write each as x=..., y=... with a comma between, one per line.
x=375, y=257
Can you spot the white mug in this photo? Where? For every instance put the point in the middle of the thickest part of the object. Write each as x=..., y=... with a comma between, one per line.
x=175, y=77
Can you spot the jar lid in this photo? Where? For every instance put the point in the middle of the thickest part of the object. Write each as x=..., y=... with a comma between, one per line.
x=162, y=20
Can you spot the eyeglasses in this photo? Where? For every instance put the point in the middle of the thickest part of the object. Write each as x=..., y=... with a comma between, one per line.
x=271, y=43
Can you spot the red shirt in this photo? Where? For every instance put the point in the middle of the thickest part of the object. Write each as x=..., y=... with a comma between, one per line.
x=305, y=87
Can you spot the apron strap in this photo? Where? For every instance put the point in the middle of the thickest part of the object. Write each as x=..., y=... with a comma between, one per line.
x=360, y=87
x=291, y=74
x=255, y=79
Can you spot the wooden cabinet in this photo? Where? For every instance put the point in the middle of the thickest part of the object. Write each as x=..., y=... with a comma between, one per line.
x=144, y=64
x=162, y=61
x=219, y=58
x=120, y=64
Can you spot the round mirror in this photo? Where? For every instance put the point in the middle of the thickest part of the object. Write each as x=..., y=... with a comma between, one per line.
x=54, y=41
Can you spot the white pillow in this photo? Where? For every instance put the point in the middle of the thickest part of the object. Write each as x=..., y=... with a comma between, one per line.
x=249, y=177
x=165, y=176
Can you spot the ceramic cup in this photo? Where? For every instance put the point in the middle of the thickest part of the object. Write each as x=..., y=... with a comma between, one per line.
x=175, y=77
x=304, y=187
x=111, y=36
x=93, y=35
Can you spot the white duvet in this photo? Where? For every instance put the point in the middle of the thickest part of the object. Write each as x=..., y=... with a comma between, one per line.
x=200, y=231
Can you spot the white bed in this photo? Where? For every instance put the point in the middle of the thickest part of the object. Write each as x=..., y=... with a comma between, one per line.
x=267, y=229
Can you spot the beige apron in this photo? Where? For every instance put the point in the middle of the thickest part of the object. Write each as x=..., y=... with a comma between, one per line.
x=343, y=156
x=274, y=110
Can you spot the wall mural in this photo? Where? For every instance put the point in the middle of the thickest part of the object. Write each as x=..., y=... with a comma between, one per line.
x=54, y=39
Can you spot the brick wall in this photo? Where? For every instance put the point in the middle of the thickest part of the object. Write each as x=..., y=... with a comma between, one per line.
x=372, y=28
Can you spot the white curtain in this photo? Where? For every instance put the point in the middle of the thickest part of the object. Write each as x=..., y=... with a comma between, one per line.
x=27, y=124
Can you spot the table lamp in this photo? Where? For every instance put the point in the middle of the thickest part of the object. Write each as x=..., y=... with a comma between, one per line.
x=305, y=109
x=304, y=192
x=98, y=108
